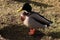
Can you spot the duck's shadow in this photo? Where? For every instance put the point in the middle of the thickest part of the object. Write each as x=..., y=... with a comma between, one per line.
x=17, y=32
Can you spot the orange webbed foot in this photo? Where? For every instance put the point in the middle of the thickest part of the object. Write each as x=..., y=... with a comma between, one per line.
x=32, y=31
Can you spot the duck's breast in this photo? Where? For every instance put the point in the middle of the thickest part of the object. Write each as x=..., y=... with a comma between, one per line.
x=25, y=22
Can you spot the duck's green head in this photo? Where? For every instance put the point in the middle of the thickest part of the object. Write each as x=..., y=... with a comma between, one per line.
x=25, y=7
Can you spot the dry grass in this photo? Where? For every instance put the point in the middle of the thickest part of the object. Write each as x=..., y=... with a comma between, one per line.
x=10, y=21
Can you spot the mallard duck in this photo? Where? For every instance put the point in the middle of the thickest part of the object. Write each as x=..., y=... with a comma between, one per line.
x=33, y=20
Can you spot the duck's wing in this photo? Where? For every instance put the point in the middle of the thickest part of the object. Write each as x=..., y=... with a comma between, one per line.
x=45, y=18
x=39, y=18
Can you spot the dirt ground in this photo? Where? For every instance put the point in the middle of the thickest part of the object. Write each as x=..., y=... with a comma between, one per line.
x=11, y=27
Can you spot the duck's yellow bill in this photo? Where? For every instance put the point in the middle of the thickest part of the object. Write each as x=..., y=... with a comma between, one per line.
x=19, y=10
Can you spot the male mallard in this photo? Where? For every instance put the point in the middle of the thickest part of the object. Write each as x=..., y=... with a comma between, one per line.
x=32, y=19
